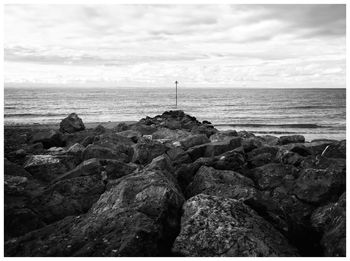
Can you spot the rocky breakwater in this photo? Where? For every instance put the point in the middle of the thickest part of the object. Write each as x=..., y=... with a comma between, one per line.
x=172, y=186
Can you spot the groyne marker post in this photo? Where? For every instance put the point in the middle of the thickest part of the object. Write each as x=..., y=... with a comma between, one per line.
x=176, y=82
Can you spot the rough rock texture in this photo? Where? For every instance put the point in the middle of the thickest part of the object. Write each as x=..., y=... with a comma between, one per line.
x=13, y=169
x=146, y=151
x=138, y=216
x=291, y=139
x=318, y=186
x=330, y=221
x=223, y=183
x=336, y=150
x=49, y=138
x=71, y=124
x=216, y=226
x=273, y=175
x=119, y=191
x=194, y=140
x=96, y=151
x=48, y=167
x=66, y=197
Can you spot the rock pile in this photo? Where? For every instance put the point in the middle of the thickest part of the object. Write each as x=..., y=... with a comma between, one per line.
x=172, y=186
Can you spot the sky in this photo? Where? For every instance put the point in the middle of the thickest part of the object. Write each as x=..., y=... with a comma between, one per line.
x=243, y=46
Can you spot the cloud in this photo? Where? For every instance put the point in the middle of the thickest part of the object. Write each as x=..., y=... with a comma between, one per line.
x=201, y=44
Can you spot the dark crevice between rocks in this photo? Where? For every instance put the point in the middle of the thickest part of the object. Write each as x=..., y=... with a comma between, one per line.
x=306, y=240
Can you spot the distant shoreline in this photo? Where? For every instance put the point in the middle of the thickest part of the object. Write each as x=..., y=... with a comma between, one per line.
x=88, y=125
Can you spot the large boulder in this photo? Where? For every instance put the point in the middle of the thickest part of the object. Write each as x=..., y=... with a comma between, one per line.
x=273, y=175
x=12, y=169
x=66, y=197
x=172, y=135
x=48, y=167
x=230, y=160
x=146, y=151
x=86, y=168
x=224, y=183
x=318, y=186
x=71, y=124
x=194, y=140
x=138, y=216
x=330, y=221
x=216, y=226
x=14, y=185
x=114, y=169
x=335, y=150
x=49, y=138
x=291, y=139
x=100, y=152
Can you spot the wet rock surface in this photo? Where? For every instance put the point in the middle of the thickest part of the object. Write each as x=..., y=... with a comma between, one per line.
x=171, y=185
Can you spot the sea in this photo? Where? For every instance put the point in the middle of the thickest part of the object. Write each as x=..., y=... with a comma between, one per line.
x=314, y=113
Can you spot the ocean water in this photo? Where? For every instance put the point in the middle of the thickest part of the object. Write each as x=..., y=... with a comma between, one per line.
x=315, y=113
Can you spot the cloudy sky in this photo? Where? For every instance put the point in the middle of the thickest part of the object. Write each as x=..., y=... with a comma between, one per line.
x=154, y=45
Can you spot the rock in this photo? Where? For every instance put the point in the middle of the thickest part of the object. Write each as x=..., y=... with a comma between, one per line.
x=316, y=147
x=269, y=140
x=194, y=140
x=330, y=220
x=318, y=186
x=48, y=167
x=17, y=156
x=99, y=152
x=223, y=135
x=49, y=138
x=197, y=152
x=14, y=185
x=289, y=215
x=230, y=160
x=205, y=129
x=252, y=143
x=291, y=139
x=216, y=226
x=69, y=196
x=138, y=216
x=145, y=152
x=12, y=169
x=87, y=141
x=76, y=149
x=335, y=150
x=217, y=148
x=288, y=157
x=245, y=134
x=121, y=127
x=173, y=135
x=273, y=175
x=71, y=124
x=99, y=129
x=131, y=134
x=186, y=172
x=19, y=221
x=143, y=129
x=56, y=150
x=319, y=162
x=272, y=150
x=260, y=160
x=115, y=169
x=87, y=168
x=222, y=183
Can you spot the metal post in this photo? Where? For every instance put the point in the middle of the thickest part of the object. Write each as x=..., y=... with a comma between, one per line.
x=176, y=93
